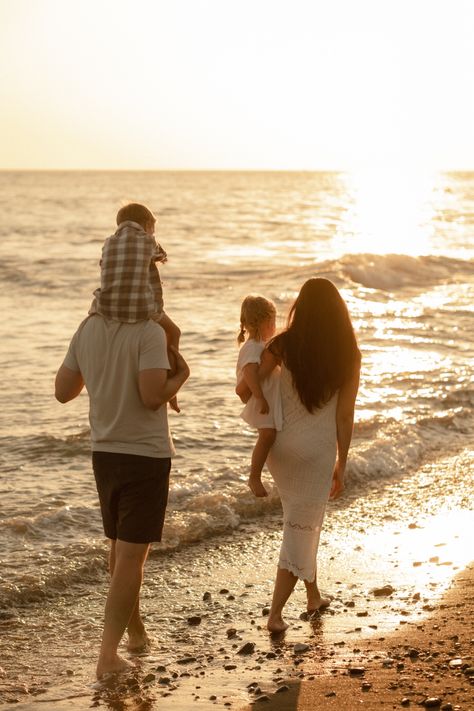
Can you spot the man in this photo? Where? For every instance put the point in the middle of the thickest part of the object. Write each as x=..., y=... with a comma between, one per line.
x=124, y=367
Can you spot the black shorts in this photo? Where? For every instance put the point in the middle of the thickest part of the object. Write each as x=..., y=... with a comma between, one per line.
x=133, y=493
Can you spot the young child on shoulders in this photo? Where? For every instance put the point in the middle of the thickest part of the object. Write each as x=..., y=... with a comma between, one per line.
x=130, y=285
x=263, y=410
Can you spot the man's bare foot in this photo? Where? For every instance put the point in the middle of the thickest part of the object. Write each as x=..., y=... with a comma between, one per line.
x=256, y=487
x=174, y=404
x=276, y=624
x=112, y=665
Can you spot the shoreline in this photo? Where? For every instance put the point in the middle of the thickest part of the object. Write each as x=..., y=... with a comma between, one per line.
x=203, y=604
x=429, y=665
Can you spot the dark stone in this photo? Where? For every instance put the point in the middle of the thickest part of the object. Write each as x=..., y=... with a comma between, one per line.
x=263, y=697
x=229, y=667
x=265, y=611
x=330, y=693
x=231, y=632
x=224, y=591
x=206, y=596
x=356, y=671
x=164, y=680
x=195, y=620
x=366, y=686
x=432, y=702
x=186, y=660
x=405, y=702
x=149, y=677
x=282, y=688
x=384, y=590
x=247, y=648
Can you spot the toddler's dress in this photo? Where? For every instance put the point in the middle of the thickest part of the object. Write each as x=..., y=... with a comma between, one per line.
x=251, y=352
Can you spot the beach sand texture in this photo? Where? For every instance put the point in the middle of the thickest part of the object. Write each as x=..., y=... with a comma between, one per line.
x=204, y=604
x=404, y=262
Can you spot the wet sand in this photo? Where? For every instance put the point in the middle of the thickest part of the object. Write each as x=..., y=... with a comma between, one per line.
x=206, y=605
x=428, y=665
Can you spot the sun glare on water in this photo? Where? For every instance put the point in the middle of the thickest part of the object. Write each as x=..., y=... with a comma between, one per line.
x=390, y=212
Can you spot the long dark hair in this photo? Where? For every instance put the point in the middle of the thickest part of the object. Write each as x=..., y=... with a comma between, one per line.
x=319, y=346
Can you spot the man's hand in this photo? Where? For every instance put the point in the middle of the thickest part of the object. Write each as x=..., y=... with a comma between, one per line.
x=264, y=407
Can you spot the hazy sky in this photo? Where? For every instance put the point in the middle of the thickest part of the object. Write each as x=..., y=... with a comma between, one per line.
x=236, y=84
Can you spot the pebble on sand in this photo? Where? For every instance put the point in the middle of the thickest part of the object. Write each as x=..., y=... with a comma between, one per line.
x=384, y=590
x=247, y=648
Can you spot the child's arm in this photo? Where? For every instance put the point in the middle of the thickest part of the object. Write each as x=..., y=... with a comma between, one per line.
x=250, y=372
x=173, y=332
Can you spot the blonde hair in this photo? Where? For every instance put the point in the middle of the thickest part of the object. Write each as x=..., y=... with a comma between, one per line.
x=254, y=311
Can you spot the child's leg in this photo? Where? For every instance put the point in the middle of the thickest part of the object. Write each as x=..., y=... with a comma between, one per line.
x=266, y=437
x=173, y=334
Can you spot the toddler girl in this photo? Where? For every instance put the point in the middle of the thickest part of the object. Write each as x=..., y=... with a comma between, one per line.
x=263, y=409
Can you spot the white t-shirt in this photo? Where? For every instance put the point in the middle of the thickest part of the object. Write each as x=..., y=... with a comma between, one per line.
x=109, y=355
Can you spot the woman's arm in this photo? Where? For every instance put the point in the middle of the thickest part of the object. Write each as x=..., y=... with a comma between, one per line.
x=345, y=424
x=268, y=362
x=251, y=377
x=243, y=391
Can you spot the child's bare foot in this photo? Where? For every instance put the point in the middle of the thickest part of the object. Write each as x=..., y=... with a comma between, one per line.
x=276, y=624
x=174, y=404
x=112, y=665
x=256, y=487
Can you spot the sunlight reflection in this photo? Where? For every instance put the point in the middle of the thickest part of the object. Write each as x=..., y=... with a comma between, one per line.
x=432, y=549
x=406, y=360
x=390, y=213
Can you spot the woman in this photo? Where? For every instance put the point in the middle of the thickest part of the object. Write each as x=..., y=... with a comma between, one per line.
x=320, y=364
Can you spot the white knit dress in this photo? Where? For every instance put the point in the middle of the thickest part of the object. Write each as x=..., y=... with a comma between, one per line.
x=301, y=463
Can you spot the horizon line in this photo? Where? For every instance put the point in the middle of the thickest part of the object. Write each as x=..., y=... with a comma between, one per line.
x=223, y=170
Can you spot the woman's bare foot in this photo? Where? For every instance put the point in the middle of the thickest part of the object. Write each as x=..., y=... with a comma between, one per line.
x=256, y=487
x=317, y=603
x=138, y=643
x=112, y=665
x=276, y=624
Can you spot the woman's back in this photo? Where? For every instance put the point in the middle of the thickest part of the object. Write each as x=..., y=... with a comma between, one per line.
x=302, y=457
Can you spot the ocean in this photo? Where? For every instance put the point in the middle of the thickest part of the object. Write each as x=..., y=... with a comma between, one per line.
x=399, y=247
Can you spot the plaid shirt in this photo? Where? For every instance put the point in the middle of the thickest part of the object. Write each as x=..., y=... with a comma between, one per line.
x=130, y=285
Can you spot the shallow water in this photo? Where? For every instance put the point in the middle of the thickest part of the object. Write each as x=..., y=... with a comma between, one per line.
x=401, y=251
